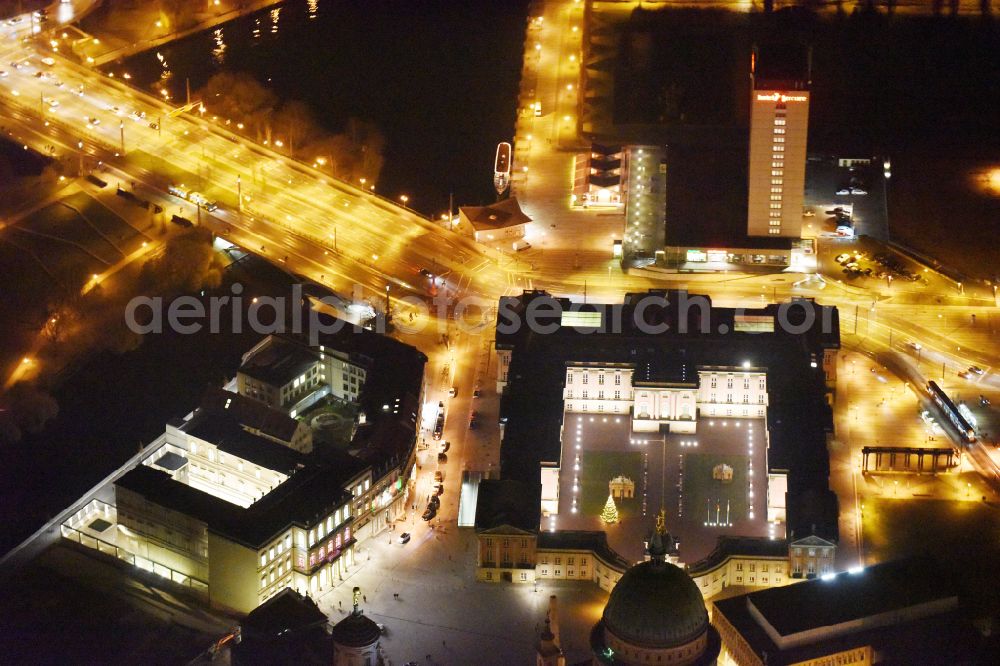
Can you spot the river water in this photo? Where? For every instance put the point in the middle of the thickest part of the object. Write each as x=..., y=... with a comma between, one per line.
x=438, y=77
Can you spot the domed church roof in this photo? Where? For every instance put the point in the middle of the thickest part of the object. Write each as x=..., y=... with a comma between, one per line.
x=656, y=604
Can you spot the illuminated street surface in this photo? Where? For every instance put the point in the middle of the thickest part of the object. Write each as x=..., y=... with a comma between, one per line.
x=340, y=235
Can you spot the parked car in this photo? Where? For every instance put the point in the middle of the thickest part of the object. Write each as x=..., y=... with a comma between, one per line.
x=475, y=393
x=439, y=476
x=976, y=369
x=452, y=392
x=442, y=458
x=445, y=447
x=434, y=502
x=858, y=191
x=964, y=374
x=843, y=192
x=439, y=489
x=404, y=537
x=429, y=514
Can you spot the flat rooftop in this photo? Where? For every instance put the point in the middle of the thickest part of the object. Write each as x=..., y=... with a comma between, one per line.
x=699, y=508
x=943, y=636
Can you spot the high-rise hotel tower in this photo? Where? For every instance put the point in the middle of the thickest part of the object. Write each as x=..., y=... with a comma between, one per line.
x=779, y=124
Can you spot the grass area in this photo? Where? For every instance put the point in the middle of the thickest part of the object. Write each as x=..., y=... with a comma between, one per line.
x=963, y=536
x=599, y=467
x=701, y=490
x=338, y=421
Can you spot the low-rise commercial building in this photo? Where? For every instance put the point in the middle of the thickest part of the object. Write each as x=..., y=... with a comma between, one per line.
x=236, y=500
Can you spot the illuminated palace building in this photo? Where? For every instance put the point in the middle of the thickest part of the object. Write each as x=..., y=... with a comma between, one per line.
x=713, y=416
x=240, y=499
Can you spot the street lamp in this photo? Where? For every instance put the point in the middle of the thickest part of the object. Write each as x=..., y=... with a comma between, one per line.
x=404, y=199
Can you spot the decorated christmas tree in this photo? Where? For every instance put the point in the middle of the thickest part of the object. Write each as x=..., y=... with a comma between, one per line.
x=610, y=513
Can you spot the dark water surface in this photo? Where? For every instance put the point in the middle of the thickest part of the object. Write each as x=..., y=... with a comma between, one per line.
x=438, y=77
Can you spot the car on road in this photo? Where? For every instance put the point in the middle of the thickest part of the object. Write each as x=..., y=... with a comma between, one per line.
x=4, y=73
x=138, y=116
x=983, y=400
x=915, y=346
x=93, y=121
x=426, y=273
x=48, y=61
x=473, y=421
x=841, y=258
x=858, y=191
x=538, y=109
x=53, y=103
x=843, y=192
x=452, y=392
x=154, y=126
x=965, y=374
x=78, y=91
x=476, y=392
x=404, y=537
x=808, y=213
x=975, y=369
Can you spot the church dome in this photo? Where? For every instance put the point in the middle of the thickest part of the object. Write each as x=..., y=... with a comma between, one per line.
x=356, y=631
x=656, y=605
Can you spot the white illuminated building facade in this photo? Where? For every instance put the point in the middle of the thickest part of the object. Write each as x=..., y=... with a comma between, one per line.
x=713, y=391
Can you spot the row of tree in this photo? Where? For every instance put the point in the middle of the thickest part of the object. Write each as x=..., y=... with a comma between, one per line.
x=351, y=155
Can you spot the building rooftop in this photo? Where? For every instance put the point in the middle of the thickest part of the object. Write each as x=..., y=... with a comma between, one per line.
x=781, y=64
x=506, y=213
x=848, y=597
x=356, y=630
x=279, y=362
x=532, y=402
x=224, y=431
x=595, y=541
x=287, y=628
x=508, y=502
x=906, y=609
x=302, y=499
x=728, y=546
x=250, y=413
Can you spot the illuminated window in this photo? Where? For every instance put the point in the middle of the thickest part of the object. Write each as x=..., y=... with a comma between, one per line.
x=776, y=190
x=775, y=205
x=779, y=139
x=774, y=223
x=774, y=231
x=779, y=121
x=777, y=181
x=777, y=172
x=778, y=149
x=779, y=130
